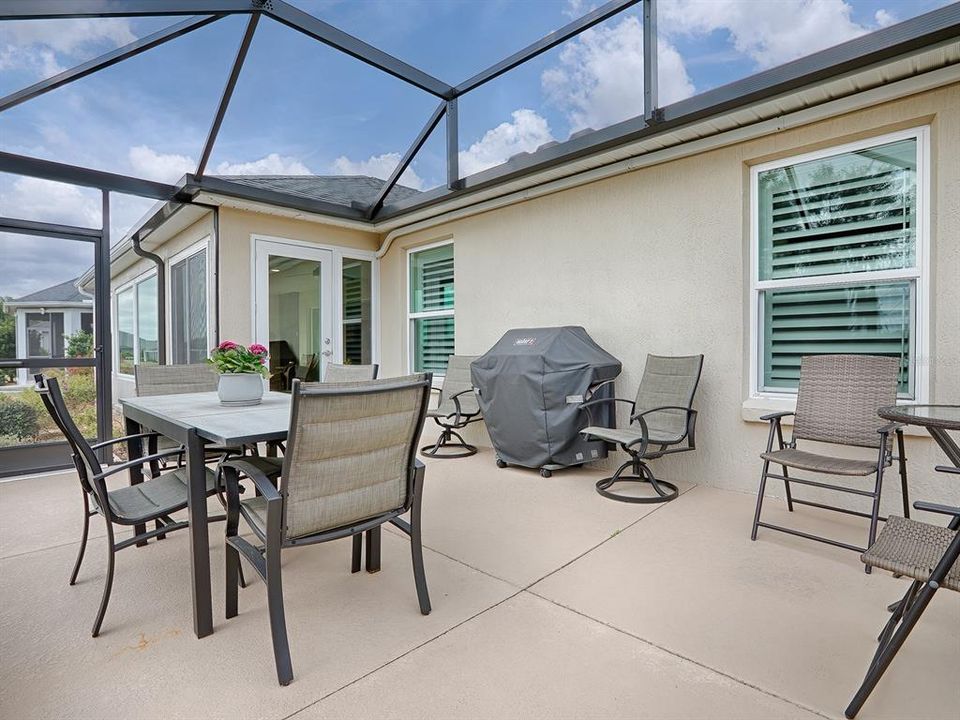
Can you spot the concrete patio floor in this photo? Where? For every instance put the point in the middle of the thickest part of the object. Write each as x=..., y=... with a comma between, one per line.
x=549, y=601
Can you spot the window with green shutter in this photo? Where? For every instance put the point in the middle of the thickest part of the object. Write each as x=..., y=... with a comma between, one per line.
x=430, y=309
x=837, y=243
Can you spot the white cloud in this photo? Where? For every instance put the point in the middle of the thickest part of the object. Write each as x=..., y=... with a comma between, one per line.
x=378, y=166
x=599, y=78
x=148, y=163
x=48, y=201
x=884, y=17
x=770, y=33
x=272, y=164
x=525, y=133
x=34, y=45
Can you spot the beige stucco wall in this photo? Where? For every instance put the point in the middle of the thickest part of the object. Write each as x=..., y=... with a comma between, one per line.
x=657, y=261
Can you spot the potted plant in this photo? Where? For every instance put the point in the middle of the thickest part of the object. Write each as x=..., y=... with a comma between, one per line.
x=242, y=370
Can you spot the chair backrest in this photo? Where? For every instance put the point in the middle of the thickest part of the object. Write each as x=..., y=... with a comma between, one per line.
x=456, y=381
x=350, y=373
x=84, y=457
x=668, y=381
x=351, y=451
x=172, y=379
x=839, y=396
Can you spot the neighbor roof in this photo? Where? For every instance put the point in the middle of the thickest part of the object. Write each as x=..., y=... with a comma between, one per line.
x=340, y=189
x=65, y=292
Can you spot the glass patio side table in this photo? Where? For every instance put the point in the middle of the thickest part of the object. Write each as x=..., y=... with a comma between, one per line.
x=937, y=419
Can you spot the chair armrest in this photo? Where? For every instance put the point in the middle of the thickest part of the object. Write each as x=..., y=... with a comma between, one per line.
x=936, y=508
x=259, y=479
x=114, y=441
x=593, y=390
x=947, y=469
x=890, y=427
x=456, y=402
x=599, y=401
x=658, y=409
x=777, y=415
x=143, y=460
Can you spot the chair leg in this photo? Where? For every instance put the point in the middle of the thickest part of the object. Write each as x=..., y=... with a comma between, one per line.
x=641, y=473
x=889, y=650
x=760, y=492
x=786, y=486
x=278, y=621
x=373, y=550
x=902, y=457
x=875, y=511
x=83, y=539
x=356, y=553
x=445, y=440
x=108, y=583
x=416, y=548
x=231, y=590
x=234, y=575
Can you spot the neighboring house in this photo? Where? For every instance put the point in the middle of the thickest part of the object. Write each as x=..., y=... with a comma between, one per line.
x=44, y=319
x=825, y=218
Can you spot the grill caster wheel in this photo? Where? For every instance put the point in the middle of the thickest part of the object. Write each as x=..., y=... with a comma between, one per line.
x=545, y=473
x=501, y=463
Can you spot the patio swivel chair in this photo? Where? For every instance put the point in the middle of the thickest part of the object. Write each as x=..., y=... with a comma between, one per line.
x=350, y=467
x=837, y=403
x=155, y=499
x=927, y=554
x=662, y=422
x=350, y=373
x=457, y=408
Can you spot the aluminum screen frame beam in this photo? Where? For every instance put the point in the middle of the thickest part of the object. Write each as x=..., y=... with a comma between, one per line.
x=106, y=60
x=547, y=42
x=405, y=161
x=53, y=9
x=313, y=27
x=75, y=175
x=45, y=229
x=227, y=93
x=651, y=76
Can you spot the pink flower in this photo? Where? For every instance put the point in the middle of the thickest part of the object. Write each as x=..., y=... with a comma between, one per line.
x=227, y=345
x=258, y=349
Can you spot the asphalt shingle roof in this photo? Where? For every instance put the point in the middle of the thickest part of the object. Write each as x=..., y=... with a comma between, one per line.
x=340, y=189
x=64, y=292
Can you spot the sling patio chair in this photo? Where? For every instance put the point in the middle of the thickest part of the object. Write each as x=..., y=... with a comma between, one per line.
x=350, y=467
x=927, y=554
x=457, y=408
x=350, y=373
x=837, y=403
x=155, y=499
x=661, y=419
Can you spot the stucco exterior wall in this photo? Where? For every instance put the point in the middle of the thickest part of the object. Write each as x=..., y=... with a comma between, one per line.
x=658, y=261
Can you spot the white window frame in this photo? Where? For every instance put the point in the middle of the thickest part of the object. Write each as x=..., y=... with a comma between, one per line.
x=204, y=246
x=919, y=273
x=411, y=316
x=338, y=254
x=114, y=302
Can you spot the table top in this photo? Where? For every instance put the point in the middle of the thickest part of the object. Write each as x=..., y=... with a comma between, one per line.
x=214, y=422
x=946, y=417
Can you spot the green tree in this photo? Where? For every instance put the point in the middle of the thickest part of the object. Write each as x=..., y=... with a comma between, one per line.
x=8, y=340
x=80, y=344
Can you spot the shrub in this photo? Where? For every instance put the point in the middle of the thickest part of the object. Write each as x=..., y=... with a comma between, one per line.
x=80, y=344
x=18, y=419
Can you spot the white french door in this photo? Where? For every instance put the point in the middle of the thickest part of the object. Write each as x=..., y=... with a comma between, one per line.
x=293, y=310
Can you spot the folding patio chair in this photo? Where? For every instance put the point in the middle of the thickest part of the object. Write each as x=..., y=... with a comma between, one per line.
x=457, y=408
x=662, y=422
x=152, y=500
x=837, y=402
x=930, y=556
x=350, y=467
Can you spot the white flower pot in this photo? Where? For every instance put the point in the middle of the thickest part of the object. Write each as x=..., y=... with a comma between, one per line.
x=240, y=388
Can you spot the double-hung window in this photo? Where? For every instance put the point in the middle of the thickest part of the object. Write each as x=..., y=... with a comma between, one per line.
x=188, y=308
x=838, y=251
x=138, y=336
x=430, y=308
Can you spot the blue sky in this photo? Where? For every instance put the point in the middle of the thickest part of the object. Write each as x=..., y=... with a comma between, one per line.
x=301, y=107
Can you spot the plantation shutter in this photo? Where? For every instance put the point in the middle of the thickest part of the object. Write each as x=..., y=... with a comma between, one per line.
x=854, y=212
x=846, y=214
x=432, y=288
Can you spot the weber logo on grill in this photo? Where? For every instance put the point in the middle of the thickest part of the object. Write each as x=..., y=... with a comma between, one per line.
x=525, y=341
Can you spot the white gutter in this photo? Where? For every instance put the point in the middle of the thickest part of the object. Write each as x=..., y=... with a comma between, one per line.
x=875, y=96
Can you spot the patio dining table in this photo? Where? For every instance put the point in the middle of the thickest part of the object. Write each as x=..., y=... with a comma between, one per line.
x=936, y=419
x=195, y=420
